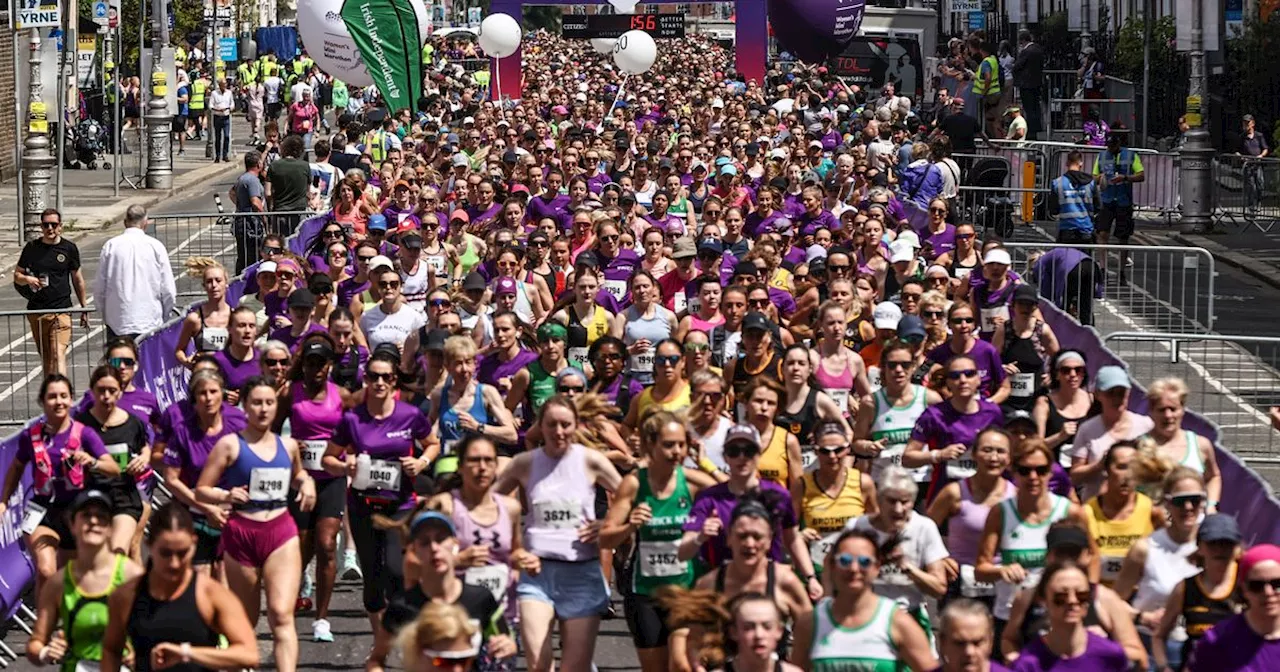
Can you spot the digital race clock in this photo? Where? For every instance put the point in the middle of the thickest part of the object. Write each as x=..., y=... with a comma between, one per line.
x=591, y=26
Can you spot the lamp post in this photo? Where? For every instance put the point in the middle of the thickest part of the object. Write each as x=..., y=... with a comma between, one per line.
x=1197, y=151
x=159, y=121
x=37, y=160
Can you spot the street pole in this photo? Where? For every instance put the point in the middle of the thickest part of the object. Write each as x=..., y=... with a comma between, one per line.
x=1148, y=18
x=213, y=83
x=159, y=122
x=1197, y=152
x=37, y=161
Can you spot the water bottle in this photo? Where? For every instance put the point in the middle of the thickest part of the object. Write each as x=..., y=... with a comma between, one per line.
x=364, y=465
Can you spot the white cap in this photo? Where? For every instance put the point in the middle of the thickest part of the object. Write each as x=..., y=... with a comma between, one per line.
x=886, y=315
x=717, y=103
x=764, y=140
x=380, y=260
x=778, y=153
x=267, y=267
x=815, y=251
x=910, y=237
x=468, y=120
x=580, y=97
x=998, y=255
x=815, y=143
x=936, y=271
x=901, y=250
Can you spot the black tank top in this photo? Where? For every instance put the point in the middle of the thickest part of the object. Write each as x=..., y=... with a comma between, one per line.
x=1025, y=352
x=153, y=621
x=1036, y=621
x=1056, y=420
x=1203, y=611
x=741, y=377
x=801, y=423
x=770, y=579
x=577, y=332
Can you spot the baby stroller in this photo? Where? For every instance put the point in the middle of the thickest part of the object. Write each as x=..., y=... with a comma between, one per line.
x=86, y=142
x=991, y=207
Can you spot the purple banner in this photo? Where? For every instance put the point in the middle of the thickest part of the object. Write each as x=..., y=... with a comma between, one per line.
x=16, y=570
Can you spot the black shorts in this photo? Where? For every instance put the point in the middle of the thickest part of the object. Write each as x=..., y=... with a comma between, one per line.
x=207, y=540
x=179, y=123
x=126, y=500
x=331, y=502
x=647, y=621
x=1116, y=220
x=58, y=519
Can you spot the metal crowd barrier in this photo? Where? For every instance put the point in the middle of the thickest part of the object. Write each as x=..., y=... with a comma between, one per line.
x=22, y=369
x=1233, y=381
x=995, y=208
x=1162, y=289
x=1245, y=188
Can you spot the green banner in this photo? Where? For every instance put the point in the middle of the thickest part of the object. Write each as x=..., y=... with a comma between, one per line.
x=386, y=32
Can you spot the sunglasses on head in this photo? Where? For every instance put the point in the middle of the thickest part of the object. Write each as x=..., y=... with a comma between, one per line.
x=741, y=450
x=1023, y=470
x=847, y=561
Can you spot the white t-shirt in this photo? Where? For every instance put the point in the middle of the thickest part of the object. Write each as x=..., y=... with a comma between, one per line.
x=1093, y=441
x=950, y=171
x=298, y=89
x=921, y=545
x=380, y=327
x=713, y=444
x=272, y=85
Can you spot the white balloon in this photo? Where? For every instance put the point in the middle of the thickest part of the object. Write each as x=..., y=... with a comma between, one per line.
x=635, y=52
x=329, y=43
x=603, y=45
x=499, y=35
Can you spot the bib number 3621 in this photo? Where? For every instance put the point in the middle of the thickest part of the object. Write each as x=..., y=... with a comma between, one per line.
x=557, y=514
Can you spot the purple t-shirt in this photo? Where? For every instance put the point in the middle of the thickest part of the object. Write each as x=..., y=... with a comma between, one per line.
x=349, y=289
x=1233, y=645
x=1100, y=655
x=90, y=443
x=387, y=439
x=809, y=223
x=541, y=207
x=617, y=276
x=990, y=368
x=485, y=218
x=285, y=335
x=720, y=499
x=491, y=368
x=994, y=667
x=235, y=373
x=939, y=244
x=991, y=303
x=187, y=447
x=668, y=223
x=942, y=425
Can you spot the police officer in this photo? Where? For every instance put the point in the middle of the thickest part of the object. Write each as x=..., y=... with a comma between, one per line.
x=1074, y=199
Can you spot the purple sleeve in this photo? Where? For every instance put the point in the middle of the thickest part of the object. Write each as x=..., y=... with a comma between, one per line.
x=924, y=428
x=344, y=433
x=786, y=510
x=421, y=424
x=85, y=402
x=702, y=508
x=25, y=449
x=91, y=442
x=995, y=366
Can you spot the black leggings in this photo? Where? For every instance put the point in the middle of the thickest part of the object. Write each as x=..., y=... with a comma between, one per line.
x=381, y=552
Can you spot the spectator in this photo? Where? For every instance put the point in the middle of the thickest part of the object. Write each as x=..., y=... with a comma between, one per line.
x=223, y=102
x=249, y=196
x=134, y=285
x=324, y=174
x=303, y=115
x=287, y=182
x=1017, y=125
x=1091, y=77
x=1028, y=77
x=48, y=270
x=1253, y=144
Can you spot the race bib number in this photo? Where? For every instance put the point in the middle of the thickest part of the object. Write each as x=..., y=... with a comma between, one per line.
x=679, y=302
x=809, y=457
x=616, y=288
x=971, y=587
x=1111, y=567
x=120, y=453
x=659, y=559
x=962, y=467
x=989, y=316
x=312, y=453
x=818, y=550
x=873, y=377
x=841, y=397
x=88, y=666
x=384, y=475
x=578, y=357
x=963, y=273
x=436, y=264
x=694, y=305
x=1022, y=385
x=268, y=484
x=32, y=517
x=1064, y=457
x=643, y=362
x=493, y=578
x=557, y=514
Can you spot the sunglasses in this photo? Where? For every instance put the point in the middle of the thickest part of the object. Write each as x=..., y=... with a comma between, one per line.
x=365, y=259
x=897, y=364
x=1181, y=501
x=912, y=296
x=666, y=360
x=440, y=303
x=608, y=239
x=336, y=233
x=272, y=362
x=389, y=284
x=1078, y=597
x=50, y=225
x=932, y=314
x=571, y=389
x=838, y=268
x=964, y=236
x=1069, y=370
x=963, y=373
x=713, y=397
x=962, y=320
x=272, y=251
x=376, y=377
x=697, y=347
x=741, y=450
x=539, y=243
x=1024, y=471
x=833, y=451
x=122, y=362
x=847, y=560
x=1258, y=585
x=938, y=211
x=800, y=277
x=610, y=356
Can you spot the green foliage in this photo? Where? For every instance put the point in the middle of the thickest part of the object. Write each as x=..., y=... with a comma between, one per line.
x=1127, y=60
x=188, y=16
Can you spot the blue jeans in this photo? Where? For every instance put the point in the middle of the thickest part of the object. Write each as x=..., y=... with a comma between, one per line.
x=221, y=137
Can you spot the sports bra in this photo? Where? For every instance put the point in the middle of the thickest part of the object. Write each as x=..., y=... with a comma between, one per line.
x=210, y=339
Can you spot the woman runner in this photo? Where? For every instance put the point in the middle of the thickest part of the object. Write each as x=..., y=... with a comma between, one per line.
x=125, y=438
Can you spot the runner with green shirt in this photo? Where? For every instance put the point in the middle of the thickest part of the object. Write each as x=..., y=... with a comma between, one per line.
x=892, y=414
x=653, y=503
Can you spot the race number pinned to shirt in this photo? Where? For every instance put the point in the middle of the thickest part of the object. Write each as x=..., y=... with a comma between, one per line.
x=493, y=578
x=384, y=475
x=971, y=587
x=989, y=316
x=1022, y=385
x=809, y=458
x=120, y=453
x=679, y=302
x=962, y=467
x=616, y=288
x=268, y=484
x=642, y=362
x=32, y=517
x=818, y=550
x=312, y=453
x=578, y=358
x=660, y=559
x=841, y=397
x=557, y=514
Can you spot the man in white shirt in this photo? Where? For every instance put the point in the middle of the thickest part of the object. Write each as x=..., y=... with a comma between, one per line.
x=298, y=89
x=134, y=286
x=272, y=86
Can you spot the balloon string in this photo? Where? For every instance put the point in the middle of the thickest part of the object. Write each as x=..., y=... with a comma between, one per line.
x=621, y=88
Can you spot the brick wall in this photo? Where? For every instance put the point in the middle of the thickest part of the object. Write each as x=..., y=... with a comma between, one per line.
x=9, y=144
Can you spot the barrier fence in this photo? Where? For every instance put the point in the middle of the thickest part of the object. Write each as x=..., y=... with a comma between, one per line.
x=1246, y=191
x=21, y=368
x=1160, y=288
x=1233, y=381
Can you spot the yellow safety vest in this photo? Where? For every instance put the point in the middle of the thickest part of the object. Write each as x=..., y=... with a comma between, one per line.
x=376, y=144
x=219, y=70
x=988, y=88
x=112, y=90
x=247, y=73
x=270, y=68
x=198, y=88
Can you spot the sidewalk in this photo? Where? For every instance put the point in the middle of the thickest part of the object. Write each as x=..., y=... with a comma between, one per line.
x=1252, y=252
x=89, y=201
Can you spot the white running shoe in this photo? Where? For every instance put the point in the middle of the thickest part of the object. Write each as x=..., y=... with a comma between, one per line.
x=351, y=566
x=320, y=631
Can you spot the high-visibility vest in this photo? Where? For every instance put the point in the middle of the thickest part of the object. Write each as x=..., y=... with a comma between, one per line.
x=247, y=73
x=198, y=88
x=375, y=142
x=989, y=87
x=270, y=68
x=219, y=69
x=427, y=51
x=112, y=90
x=340, y=94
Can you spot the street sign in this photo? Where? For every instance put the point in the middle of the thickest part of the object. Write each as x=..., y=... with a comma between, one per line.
x=228, y=49
x=100, y=10
x=223, y=13
x=37, y=14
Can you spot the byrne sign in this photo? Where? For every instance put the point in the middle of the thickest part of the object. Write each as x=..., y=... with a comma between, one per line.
x=36, y=14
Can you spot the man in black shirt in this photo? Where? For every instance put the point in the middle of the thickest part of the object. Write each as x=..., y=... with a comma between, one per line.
x=287, y=181
x=48, y=269
x=962, y=128
x=434, y=541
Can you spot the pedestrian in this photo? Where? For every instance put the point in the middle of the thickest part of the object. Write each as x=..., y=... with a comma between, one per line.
x=48, y=270
x=223, y=102
x=249, y=196
x=287, y=183
x=304, y=116
x=1117, y=169
x=179, y=127
x=134, y=285
x=1075, y=199
x=1028, y=77
x=1254, y=146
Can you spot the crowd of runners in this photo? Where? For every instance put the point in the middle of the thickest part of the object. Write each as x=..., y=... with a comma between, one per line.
x=676, y=343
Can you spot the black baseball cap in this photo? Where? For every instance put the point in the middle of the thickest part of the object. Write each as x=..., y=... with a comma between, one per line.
x=1067, y=537
x=92, y=496
x=473, y=281
x=435, y=340
x=317, y=348
x=755, y=321
x=302, y=298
